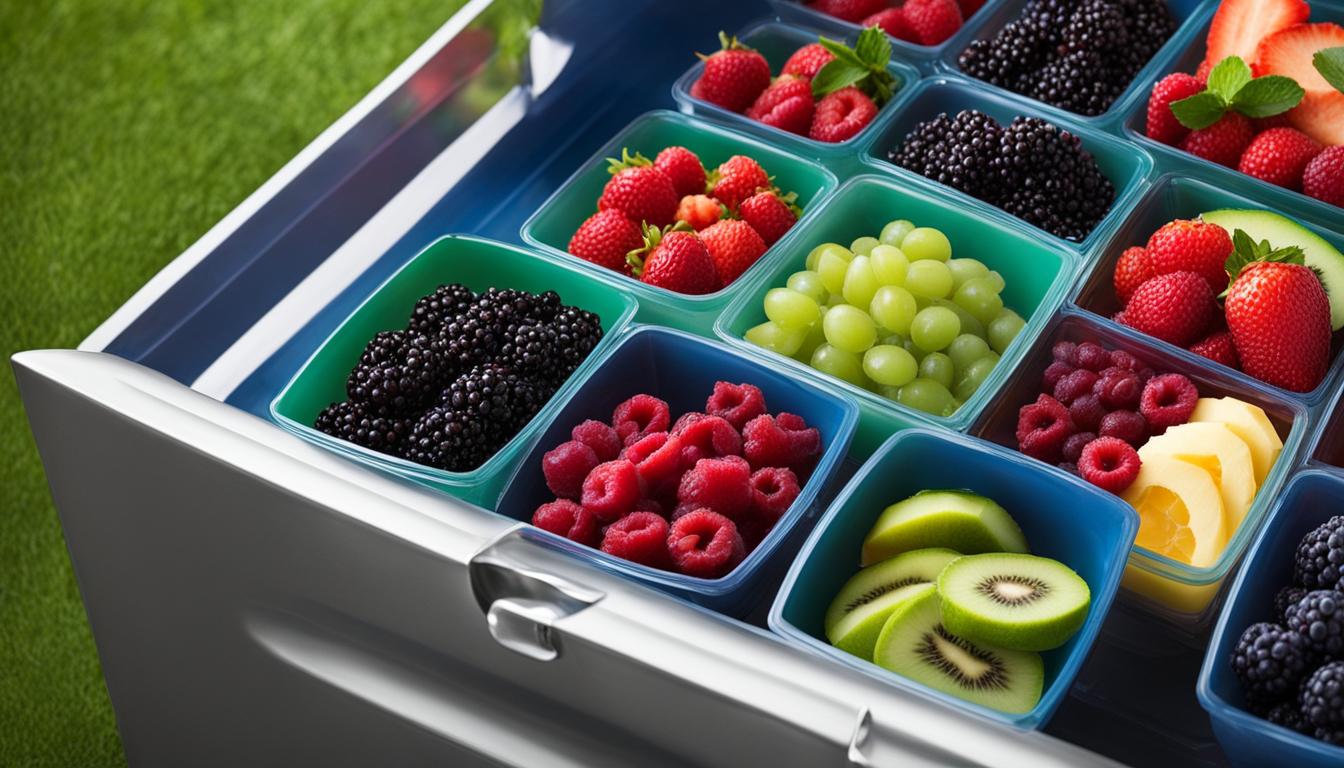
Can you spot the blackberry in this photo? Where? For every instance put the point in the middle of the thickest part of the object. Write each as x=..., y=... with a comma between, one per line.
x=1288, y=715
x=924, y=141
x=437, y=309
x=1269, y=661
x=370, y=427
x=1322, y=697
x=1049, y=180
x=1319, y=619
x=1319, y=563
x=497, y=398
x=1330, y=735
x=448, y=439
x=1286, y=598
x=399, y=371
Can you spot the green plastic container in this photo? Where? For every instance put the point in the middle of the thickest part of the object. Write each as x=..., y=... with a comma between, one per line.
x=1037, y=273
x=551, y=227
x=478, y=264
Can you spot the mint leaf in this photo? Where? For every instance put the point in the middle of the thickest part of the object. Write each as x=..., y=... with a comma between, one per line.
x=1228, y=77
x=873, y=47
x=835, y=75
x=1269, y=95
x=1199, y=111
x=842, y=52
x=1330, y=63
x=864, y=67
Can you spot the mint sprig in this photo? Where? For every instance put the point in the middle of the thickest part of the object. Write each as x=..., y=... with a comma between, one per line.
x=1231, y=87
x=863, y=66
x=1330, y=63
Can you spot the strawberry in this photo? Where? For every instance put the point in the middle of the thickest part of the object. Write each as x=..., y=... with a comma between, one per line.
x=684, y=169
x=738, y=178
x=1131, y=270
x=1320, y=116
x=1279, y=156
x=1223, y=142
x=807, y=61
x=1217, y=347
x=1162, y=124
x=893, y=22
x=1175, y=308
x=932, y=20
x=1323, y=178
x=849, y=10
x=768, y=214
x=787, y=104
x=676, y=260
x=841, y=115
x=1191, y=246
x=1289, y=52
x=605, y=239
x=734, y=245
x=734, y=76
x=699, y=211
x=1262, y=124
x=640, y=191
x=1278, y=314
x=1239, y=26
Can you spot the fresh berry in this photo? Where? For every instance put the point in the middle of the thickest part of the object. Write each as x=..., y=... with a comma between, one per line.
x=566, y=466
x=1191, y=246
x=439, y=308
x=894, y=23
x=640, y=537
x=1323, y=178
x=1217, y=347
x=735, y=247
x=602, y=438
x=773, y=491
x=565, y=518
x=1286, y=598
x=1167, y=401
x=1240, y=25
x=1279, y=317
x=1075, y=385
x=1129, y=426
x=1054, y=372
x=1319, y=618
x=1288, y=714
x=699, y=211
x=1279, y=156
x=611, y=490
x=1125, y=361
x=1109, y=463
x=1322, y=696
x=736, y=179
x=736, y=403
x=605, y=238
x=768, y=214
x=675, y=260
x=1087, y=413
x=807, y=61
x=787, y=105
x=369, y=426
x=780, y=441
x=1069, y=466
x=1263, y=124
x=398, y=373
x=1162, y=124
x=640, y=415
x=1319, y=561
x=1119, y=388
x=641, y=192
x=1333, y=736
x=1073, y=447
x=1042, y=428
x=723, y=485
x=1223, y=142
x=849, y=10
x=1131, y=270
x=1092, y=356
x=1064, y=352
x=683, y=168
x=647, y=504
x=707, y=437
x=705, y=544
x=1176, y=307
x=933, y=21
x=734, y=76
x=657, y=460
x=842, y=114
x=1269, y=661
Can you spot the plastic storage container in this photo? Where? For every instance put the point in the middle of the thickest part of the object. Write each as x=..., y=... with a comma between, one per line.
x=1179, y=593
x=1036, y=272
x=551, y=227
x=682, y=370
x=478, y=264
x=1327, y=444
x=926, y=55
x=1062, y=517
x=1310, y=499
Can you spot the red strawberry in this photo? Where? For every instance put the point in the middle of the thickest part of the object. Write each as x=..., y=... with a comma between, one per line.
x=1176, y=308
x=932, y=20
x=683, y=168
x=733, y=76
x=676, y=260
x=1240, y=25
x=893, y=22
x=849, y=10
x=1218, y=347
x=1191, y=246
x=734, y=245
x=1289, y=52
x=768, y=214
x=643, y=193
x=1162, y=124
x=1279, y=156
x=807, y=61
x=1324, y=177
x=738, y=178
x=699, y=211
x=1279, y=317
x=1223, y=142
x=841, y=115
x=1320, y=116
x=787, y=104
x=1131, y=270
x=605, y=239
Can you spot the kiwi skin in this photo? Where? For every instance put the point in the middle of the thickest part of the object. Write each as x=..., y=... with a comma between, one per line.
x=980, y=620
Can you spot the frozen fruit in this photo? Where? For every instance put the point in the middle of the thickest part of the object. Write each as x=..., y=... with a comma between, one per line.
x=640, y=415
x=723, y=485
x=699, y=211
x=894, y=23
x=1168, y=400
x=787, y=104
x=784, y=440
x=933, y=21
x=735, y=403
x=566, y=466
x=707, y=437
x=841, y=115
x=683, y=168
x=1323, y=178
x=640, y=537
x=1180, y=511
x=1175, y=307
x=605, y=238
x=565, y=518
x=602, y=438
x=734, y=245
x=1191, y=246
x=1042, y=428
x=1073, y=447
x=1217, y=450
x=1269, y=661
x=1279, y=156
x=1017, y=601
x=1132, y=269
x=1248, y=422
x=849, y=10
x=1219, y=348
x=675, y=260
x=769, y=214
x=611, y=490
x=657, y=460
x=1086, y=412
x=643, y=193
x=1319, y=618
x=1223, y=142
x=807, y=61
x=1319, y=560
x=734, y=76
x=1322, y=696
x=1109, y=463
x=1075, y=385
x=1119, y=388
x=773, y=491
x=1162, y=124
x=1129, y=426
x=859, y=610
x=957, y=520
x=705, y=544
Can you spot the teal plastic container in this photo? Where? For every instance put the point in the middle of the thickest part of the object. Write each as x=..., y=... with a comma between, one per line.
x=1063, y=518
x=478, y=264
x=1037, y=274
x=551, y=227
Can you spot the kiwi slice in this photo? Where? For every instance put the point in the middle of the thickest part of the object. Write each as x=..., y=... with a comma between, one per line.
x=862, y=606
x=914, y=643
x=1022, y=602
x=957, y=520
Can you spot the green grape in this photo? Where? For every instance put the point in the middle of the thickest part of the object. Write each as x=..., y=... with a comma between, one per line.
x=895, y=231
x=831, y=268
x=979, y=297
x=966, y=349
x=815, y=338
x=914, y=350
x=889, y=265
x=974, y=376
x=893, y=308
x=928, y=396
x=1004, y=328
x=890, y=365
x=809, y=284
x=965, y=269
x=835, y=300
x=849, y=328
x=933, y=328
x=931, y=279
x=926, y=243
x=776, y=339
x=890, y=393
x=968, y=322
x=939, y=367
x=860, y=282
x=790, y=309
x=894, y=339
x=840, y=364
x=814, y=256
x=999, y=283
x=862, y=246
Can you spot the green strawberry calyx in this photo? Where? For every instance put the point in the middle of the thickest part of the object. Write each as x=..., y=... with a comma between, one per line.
x=864, y=66
x=1246, y=251
x=1231, y=88
x=653, y=237
x=726, y=43
x=617, y=164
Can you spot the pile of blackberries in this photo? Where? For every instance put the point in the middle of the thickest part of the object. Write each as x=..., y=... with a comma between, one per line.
x=464, y=376
x=1029, y=168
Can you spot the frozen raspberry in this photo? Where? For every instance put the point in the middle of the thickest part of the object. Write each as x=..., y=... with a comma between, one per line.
x=780, y=441
x=773, y=491
x=640, y=537
x=1087, y=412
x=639, y=416
x=705, y=544
x=1109, y=463
x=723, y=485
x=657, y=459
x=1125, y=361
x=1092, y=356
x=1119, y=389
x=565, y=518
x=565, y=467
x=1075, y=385
x=707, y=437
x=1073, y=447
x=600, y=437
x=737, y=403
x=1129, y=426
x=1168, y=400
x=611, y=489
x=1063, y=351
x=1053, y=373
x=1042, y=428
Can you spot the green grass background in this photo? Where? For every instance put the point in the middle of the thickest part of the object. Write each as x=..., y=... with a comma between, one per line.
x=127, y=129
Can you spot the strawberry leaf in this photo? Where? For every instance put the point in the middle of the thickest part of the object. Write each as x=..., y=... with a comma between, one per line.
x=1229, y=76
x=1246, y=251
x=1266, y=96
x=1330, y=63
x=1199, y=111
x=617, y=164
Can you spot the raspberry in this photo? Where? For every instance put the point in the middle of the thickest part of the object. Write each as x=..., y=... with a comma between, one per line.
x=1087, y=413
x=1054, y=372
x=600, y=437
x=1319, y=618
x=705, y=544
x=566, y=466
x=657, y=460
x=1129, y=426
x=735, y=403
x=565, y=518
x=780, y=441
x=1319, y=562
x=639, y=416
x=1168, y=400
x=723, y=485
x=1322, y=696
x=1109, y=463
x=1092, y=356
x=706, y=437
x=611, y=489
x=773, y=491
x=1042, y=428
x=1286, y=598
x=1124, y=360
x=1269, y=661
x=1119, y=389
x=640, y=537
x=650, y=505
x=1075, y=385
x=1063, y=351
x=1073, y=447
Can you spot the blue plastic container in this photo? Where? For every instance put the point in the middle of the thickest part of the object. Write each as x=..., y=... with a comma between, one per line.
x=927, y=55
x=1064, y=518
x=682, y=369
x=1327, y=444
x=1311, y=498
